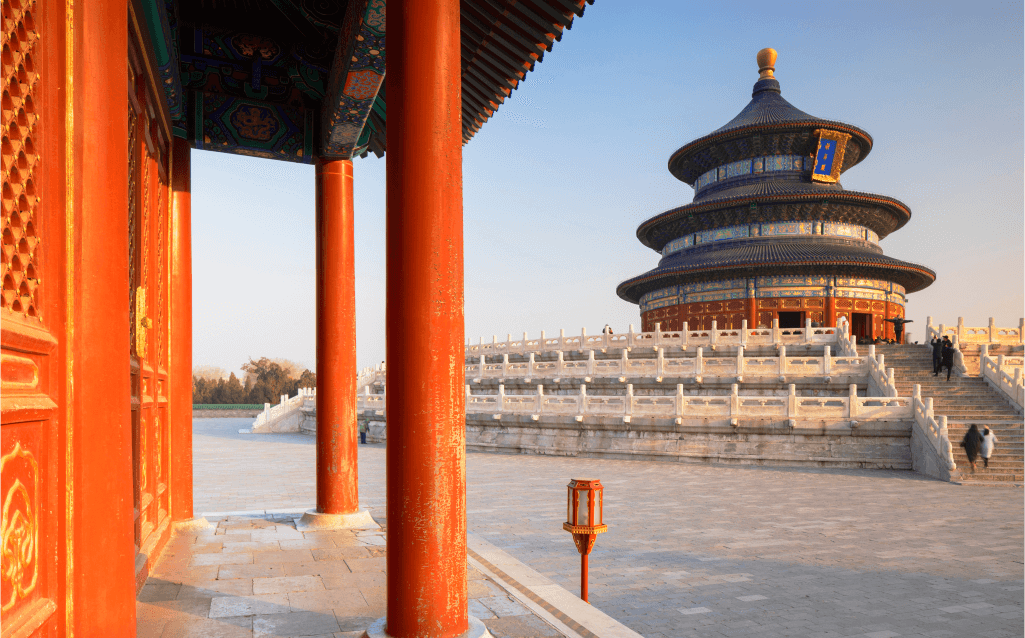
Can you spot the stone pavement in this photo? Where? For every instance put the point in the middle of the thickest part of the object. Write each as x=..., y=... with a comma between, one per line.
x=708, y=550
x=245, y=576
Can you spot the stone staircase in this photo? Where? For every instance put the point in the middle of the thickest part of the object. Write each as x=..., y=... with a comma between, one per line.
x=964, y=401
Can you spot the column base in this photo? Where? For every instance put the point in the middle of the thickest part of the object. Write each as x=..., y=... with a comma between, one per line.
x=475, y=629
x=314, y=521
x=198, y=522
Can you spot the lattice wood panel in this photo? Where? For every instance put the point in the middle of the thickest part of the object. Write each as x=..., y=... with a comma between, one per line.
x=21, y=164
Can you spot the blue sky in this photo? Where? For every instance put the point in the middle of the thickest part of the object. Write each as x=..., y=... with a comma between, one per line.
x=556, y=183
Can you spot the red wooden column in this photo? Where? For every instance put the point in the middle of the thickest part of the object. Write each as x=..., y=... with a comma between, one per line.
x=180, y=426
x=426, y=474
x=337, y=489
x=102, y=567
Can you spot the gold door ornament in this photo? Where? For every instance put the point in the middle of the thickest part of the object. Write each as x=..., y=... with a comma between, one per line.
x=142, y=322
x=19, y=530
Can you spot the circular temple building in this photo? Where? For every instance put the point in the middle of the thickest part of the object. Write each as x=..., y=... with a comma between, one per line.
x=771, y=233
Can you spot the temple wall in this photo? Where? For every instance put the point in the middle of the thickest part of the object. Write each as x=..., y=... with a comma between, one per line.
x=760, y=312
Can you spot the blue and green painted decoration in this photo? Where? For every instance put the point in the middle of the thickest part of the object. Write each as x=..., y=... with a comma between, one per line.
x=353, y=89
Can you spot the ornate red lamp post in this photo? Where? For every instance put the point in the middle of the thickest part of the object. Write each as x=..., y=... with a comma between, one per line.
x=584, y=520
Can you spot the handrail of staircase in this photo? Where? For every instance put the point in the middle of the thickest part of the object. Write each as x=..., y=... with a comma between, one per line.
x=1011, y=386
x=284, y=406
x=846, y=344
x=934, y=429
x=962, y=334
x=881, y=376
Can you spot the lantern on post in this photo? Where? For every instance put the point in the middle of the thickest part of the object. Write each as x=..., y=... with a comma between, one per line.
x=584, y=520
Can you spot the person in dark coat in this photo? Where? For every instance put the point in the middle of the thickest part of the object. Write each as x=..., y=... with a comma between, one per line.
x=971, y=443
x=898, y=327
x=948, y=357
x=937, y=355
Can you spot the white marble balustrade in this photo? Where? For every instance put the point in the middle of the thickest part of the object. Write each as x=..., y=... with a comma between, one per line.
x=731, y=406
x=962, y=334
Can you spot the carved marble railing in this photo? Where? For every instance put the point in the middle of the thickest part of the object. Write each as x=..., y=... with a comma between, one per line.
x=371, y=375
x=961, y=334
x=934, y=428
x=286, y=405
x=1005, y=374
x=733, y=406
x=661, y=366
x=656, y=339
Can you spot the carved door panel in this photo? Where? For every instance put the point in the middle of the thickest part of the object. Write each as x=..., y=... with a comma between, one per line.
x=148, y=234
x=32, y=436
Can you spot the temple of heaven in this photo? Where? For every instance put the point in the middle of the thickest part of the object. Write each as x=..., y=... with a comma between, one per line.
x=771, y=233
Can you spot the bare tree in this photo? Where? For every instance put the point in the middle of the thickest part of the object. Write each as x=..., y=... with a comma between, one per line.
x=210, y=373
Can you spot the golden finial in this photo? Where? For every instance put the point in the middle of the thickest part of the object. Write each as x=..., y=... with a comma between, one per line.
x=766, y=64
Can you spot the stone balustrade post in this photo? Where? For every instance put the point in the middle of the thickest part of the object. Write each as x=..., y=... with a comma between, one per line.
x=583, y=338
x=1017, y=377
x=624, y=366
x=540, y=405
x=679, y=399
x=544, y=346
x=782, y=360
x=590, y=362
x=562, y=338
x=699, y=362
x=791, y=401
x=827, y=361
x=891, y=382
x=960, y=328
x=630, y=337
x=523, y=344
x=713, y=337
x=467, y=394
x=943, y=329
x=583, y=399
x=501, y=397
x=1021, y=330
x=1000, y=362
x=660, y=363
x=530, y=366
x=743, y=332
x=740, y=361
x=852, y=401
x=480, y=374
x=775, y=331
x=629, y=399
x=983, y=352
x=992, y=330
x=807, y=330
x=685, y=336
x=558, y=366
x=928, y=408
x=505, y=364
x=734, y=401
x=658, y=335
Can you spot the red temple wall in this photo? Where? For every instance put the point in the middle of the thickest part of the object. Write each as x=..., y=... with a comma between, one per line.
x=730, y=313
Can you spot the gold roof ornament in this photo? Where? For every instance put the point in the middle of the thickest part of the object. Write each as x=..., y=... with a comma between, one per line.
x=766, y=64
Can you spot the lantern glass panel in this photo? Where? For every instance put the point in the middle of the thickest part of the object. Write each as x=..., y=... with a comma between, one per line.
x=569, y=505
x=582, y=503
x=600, y=519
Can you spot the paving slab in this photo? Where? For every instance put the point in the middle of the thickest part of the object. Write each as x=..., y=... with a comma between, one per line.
x=827, y=552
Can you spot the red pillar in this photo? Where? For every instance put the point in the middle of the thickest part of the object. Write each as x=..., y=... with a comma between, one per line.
x=424, y=324
x=180, y=349
x=752, y=312
x=337, y=487
x=831, y=311
x=103, y=559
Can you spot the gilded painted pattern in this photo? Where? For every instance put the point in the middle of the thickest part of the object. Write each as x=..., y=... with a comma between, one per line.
x=21, y=162
x=782, y=287
x=777, y=229
x=19, y=529
x=752, y=166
